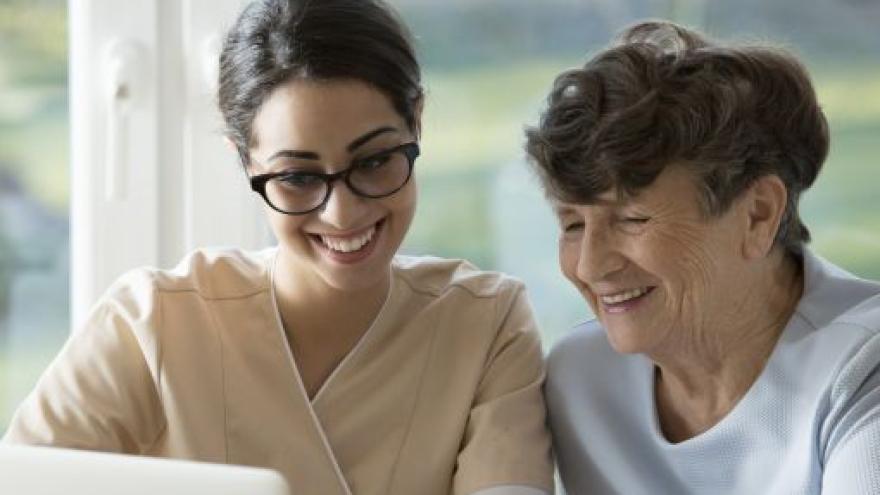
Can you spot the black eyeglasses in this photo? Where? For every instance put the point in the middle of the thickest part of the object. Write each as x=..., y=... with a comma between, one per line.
x=376, y=176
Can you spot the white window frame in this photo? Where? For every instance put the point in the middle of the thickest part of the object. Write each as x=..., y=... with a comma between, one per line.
x=173, y=185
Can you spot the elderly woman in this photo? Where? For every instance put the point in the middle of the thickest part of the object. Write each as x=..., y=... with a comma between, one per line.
x=726, y=357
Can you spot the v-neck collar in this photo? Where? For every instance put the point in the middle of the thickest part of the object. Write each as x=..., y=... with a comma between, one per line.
x=349, y=356
x=344, y=364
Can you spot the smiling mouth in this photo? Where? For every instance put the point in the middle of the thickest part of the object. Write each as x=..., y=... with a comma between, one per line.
x=349, y=245
x=625, y=296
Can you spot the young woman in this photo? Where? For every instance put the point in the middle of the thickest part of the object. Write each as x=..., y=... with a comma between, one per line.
x=349, y=369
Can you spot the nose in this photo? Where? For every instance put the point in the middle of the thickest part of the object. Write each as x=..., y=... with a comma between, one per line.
x=343, y=208
x=599, y=257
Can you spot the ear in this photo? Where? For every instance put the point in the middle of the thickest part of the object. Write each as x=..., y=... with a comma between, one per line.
x=765, y=203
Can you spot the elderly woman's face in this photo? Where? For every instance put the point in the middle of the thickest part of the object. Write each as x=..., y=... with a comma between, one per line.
x=654, y=268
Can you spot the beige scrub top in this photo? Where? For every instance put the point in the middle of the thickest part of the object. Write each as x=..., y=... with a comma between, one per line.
x=441, y=395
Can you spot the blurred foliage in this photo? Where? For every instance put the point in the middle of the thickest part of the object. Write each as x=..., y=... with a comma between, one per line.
x=850, y=94
x=476, y=117
x=33, y=33
x=34, y=129
x=7, y=268
x=34, y=132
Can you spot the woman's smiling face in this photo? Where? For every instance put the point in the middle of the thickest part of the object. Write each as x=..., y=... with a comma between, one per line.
x=654, y=268
x=323, y=127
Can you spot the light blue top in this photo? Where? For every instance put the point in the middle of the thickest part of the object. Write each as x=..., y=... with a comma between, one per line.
x=810, y=424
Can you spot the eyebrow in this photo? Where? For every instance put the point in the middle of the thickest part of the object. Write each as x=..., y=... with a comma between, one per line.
x=562, y=209
x=357, y=143
x=311, y=155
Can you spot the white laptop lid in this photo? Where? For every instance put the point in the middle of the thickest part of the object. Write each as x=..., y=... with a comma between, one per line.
x=52, y=471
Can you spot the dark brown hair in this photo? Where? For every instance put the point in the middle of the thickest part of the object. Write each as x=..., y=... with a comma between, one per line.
x=665, y=95
x=275, y=41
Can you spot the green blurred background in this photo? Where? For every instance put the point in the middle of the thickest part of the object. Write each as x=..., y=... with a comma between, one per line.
x=488, y=65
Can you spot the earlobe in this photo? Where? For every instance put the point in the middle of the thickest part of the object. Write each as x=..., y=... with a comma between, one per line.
x=766, y=202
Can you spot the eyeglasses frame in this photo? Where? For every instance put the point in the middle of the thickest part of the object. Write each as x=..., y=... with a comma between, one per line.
x=410, y=149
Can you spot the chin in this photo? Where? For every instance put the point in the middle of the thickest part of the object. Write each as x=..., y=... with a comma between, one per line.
x=368, y=274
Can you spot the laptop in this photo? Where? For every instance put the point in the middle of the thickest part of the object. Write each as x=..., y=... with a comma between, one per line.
x=26, y=470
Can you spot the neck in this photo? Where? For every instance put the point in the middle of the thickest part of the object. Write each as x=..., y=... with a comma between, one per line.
x=701, y=381
x=322, y=322
x=312, y=309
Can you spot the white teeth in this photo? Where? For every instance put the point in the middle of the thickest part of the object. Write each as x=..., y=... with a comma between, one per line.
x=624, y=296
x=351, y=244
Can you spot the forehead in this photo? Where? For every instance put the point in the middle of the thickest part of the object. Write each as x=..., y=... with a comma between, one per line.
x=317, y=113
x=676, y=185
x=608, y=199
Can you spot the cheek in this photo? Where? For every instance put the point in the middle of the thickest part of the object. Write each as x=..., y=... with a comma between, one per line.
x=681, y=252
x=687, y=266
x=569, y=255
x=275, y=222
x=697, y=264
x=400, y=208
x=403, y=203
x=284, y=226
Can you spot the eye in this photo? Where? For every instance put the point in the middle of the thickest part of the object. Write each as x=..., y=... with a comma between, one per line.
x=373, y=162
x=298, y=180
x=572, y=226
x=631, y=224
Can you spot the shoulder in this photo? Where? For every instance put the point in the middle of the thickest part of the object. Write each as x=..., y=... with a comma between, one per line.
x=843, y=333
x=471, y=308
x=585, y=352
x=836, y=339
x=831, y=293
x=140, y=301
x=589, y=382
x=586, y=340
x=865, y=315
x=839, y=356
x=840, y=337
x=208, y=273
x=853, y=393
x=860, y=360
x=436, y=277
x=203, y=275
x=583, y=364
